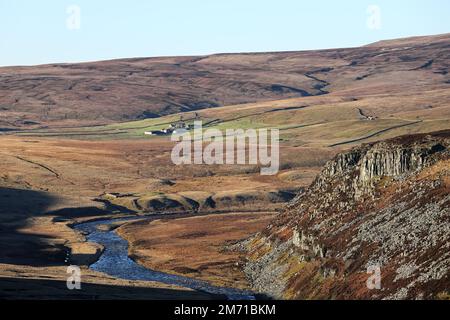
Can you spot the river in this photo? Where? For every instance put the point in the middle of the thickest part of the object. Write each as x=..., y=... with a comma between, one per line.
x=115, y=262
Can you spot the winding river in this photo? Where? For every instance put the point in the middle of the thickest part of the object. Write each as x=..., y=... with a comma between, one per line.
x=115, y=262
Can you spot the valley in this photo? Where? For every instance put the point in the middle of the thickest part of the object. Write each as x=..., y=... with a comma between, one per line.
x=74, y=151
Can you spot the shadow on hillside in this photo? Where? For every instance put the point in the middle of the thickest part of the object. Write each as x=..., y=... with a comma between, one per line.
x=17, y=208
x=19, y=288
x=17, y=246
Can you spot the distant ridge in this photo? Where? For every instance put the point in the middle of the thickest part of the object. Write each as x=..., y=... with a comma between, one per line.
x=73, y=94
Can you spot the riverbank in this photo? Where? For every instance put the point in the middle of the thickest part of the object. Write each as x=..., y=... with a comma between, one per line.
x=49, y=283
x=195, y=246
x=115, y=260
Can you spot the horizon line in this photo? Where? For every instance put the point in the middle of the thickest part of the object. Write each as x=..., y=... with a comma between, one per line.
x=215, y=53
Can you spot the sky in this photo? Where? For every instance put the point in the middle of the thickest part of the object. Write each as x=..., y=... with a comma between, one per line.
x=48, y=31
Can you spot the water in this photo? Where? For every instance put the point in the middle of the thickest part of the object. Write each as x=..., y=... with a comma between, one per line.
x=115, y=262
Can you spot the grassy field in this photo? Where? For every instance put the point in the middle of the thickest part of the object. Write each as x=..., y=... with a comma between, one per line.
x=309, y=121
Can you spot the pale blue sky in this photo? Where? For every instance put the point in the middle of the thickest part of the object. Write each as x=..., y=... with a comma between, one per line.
x=35, y=32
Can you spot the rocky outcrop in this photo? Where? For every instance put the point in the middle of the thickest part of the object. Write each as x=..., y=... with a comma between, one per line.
x=381, y=207
x=373, y=162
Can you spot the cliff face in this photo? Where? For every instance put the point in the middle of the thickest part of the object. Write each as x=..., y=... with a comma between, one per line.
x=381, y=207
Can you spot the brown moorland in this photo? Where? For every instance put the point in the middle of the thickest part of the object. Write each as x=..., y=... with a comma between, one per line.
x=131, y=89
x=57, y=169
x=195, y=246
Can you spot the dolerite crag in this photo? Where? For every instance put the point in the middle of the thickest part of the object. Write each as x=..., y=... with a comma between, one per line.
x=382, y=205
